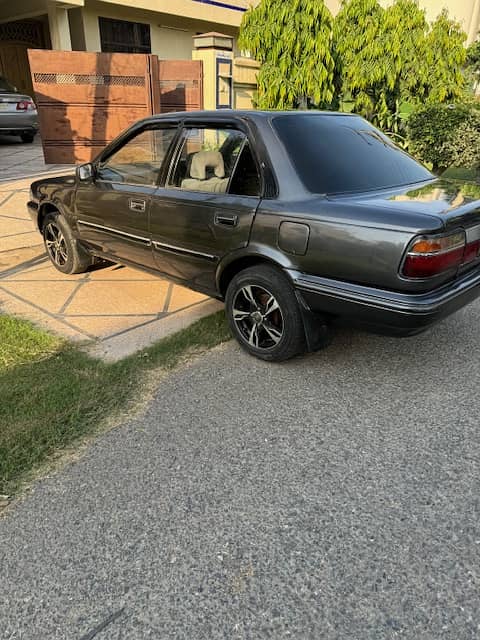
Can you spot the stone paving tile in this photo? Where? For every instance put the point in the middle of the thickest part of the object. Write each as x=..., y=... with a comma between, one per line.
x=47, y=295
x=19, y=240
x=122, y=298
x=118, y=308
x=18, y=160
x=182, y=298
x=108, y=326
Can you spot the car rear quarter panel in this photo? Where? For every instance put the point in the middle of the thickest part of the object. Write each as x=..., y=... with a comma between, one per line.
x=345, y=242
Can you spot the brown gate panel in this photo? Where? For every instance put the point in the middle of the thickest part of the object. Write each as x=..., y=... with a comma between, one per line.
x=86, y=99
x=179, y=86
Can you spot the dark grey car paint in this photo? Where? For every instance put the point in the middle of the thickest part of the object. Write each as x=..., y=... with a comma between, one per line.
x=355, y=241
x=190, y=246
x=107, y=204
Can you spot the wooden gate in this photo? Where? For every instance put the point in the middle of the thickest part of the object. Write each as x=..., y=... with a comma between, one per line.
x=177, y=85
x=86, y=99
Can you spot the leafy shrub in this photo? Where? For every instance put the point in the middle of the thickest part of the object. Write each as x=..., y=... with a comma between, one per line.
x=464, y=146
x=431, y=131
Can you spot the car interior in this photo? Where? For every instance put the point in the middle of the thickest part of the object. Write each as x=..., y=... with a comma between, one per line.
x=206, y=172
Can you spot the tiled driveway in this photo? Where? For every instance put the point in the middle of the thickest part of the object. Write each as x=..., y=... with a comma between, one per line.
x=19, y=160
x=118, y=308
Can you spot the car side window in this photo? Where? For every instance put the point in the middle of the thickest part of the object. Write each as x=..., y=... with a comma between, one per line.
x=208, y=161
x=140, y=159
x=245, y=179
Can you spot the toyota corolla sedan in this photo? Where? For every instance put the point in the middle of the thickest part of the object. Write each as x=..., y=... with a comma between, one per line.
x=295, y=219
x=18, y=113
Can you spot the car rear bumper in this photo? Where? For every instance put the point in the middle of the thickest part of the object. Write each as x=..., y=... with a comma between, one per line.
x=17, y=123
x=384, y=311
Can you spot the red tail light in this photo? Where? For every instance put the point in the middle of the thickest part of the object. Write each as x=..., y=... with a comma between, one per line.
x=431, y=255
x=472, y=249
x=25, y=105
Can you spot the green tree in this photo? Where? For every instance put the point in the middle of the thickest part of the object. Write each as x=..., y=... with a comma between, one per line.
x=366, y=70
x=405, y=29
x=292, y=39
x=446, y=55
x=473, y=63
x=390, y=60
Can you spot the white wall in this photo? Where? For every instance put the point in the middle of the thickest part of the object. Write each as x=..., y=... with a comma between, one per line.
x=168, y=40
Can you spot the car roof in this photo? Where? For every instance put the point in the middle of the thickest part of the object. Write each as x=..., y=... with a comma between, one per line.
x=244, y=113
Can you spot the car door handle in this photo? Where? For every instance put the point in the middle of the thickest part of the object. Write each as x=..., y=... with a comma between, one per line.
x=137, y=205
x=228, y=221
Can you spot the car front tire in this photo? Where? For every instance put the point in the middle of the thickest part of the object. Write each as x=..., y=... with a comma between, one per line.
x=27, y=137
x=62, y=248
x=264, y=314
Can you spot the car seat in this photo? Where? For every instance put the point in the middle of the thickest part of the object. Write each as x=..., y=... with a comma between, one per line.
x=207, y=173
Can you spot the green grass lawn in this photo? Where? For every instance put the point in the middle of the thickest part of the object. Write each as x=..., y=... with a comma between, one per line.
x=52, y=394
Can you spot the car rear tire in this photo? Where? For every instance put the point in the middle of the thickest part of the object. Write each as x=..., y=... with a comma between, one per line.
x=62, y=248
x=27, y=137
x=264, y=314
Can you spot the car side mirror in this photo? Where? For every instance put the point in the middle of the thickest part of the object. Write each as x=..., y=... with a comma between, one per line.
x=85, y=172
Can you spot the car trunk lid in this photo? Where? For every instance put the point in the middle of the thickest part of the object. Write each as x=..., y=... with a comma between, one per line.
x=9, y=101
x=455, y=203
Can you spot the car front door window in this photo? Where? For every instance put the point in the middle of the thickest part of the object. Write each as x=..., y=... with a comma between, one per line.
x=139, y=160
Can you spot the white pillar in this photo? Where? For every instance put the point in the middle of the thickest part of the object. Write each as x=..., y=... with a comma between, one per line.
x=59, y=27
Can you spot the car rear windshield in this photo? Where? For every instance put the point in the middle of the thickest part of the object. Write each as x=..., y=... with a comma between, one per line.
x=344, y=154
x=6, y=87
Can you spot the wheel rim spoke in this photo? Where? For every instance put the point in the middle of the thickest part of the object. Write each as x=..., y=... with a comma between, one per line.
x=253, y=337
x=273, y=332
x=271, y=305
x=240, y=315
x=248, y=293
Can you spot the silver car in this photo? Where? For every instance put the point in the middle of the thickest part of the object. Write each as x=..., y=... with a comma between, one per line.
x=18, y=113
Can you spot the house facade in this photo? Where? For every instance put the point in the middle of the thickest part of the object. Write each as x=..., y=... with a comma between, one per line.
x=165, y=28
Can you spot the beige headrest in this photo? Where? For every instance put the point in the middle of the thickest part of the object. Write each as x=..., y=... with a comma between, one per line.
x=204, y=159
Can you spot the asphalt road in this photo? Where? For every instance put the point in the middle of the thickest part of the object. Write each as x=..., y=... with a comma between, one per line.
x=335, y=496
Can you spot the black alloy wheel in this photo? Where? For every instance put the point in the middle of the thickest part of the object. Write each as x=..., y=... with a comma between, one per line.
x=264, y=314
x=258, y=316
x=55, y=244
x=62, y=247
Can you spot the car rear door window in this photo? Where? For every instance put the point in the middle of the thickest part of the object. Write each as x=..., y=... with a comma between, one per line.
x=140, y=159
x=246, y=178
x=343, y=154
x=215, y=160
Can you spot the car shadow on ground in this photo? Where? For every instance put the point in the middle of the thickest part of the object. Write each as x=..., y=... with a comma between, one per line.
x=16, y=140
x=366, y=357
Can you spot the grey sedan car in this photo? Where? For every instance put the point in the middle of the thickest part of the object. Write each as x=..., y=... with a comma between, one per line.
x=18, y=113
x=296, y=220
